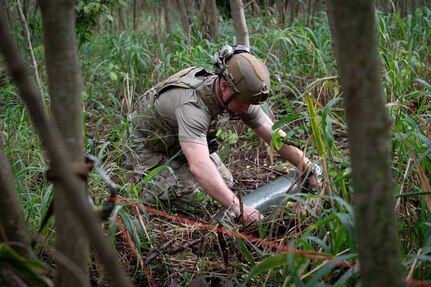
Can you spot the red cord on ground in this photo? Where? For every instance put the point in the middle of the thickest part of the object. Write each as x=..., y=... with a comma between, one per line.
x=309, y=254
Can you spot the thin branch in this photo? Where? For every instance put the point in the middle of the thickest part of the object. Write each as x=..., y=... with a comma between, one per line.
x=413, y=267
x=30, y=47
x=397, y=205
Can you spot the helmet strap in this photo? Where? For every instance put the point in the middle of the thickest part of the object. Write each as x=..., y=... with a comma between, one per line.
x=220, y=95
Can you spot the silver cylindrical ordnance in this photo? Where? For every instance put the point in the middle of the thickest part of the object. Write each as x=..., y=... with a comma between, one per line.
x=266, y=197
x=270, y=195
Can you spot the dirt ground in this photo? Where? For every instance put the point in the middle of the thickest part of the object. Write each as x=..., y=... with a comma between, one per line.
x=186, y=249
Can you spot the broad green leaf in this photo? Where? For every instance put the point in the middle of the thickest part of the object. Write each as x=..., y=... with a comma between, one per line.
x=269, y=263
x=113, y=76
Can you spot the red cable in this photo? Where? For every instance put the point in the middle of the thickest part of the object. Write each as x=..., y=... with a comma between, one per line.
x=126, y=235
x=309, y=254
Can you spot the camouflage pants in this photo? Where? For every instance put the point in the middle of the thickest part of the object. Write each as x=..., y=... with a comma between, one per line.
x=172, y=180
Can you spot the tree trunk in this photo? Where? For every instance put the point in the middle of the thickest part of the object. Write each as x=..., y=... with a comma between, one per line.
x=121, y=24
x=167, y=17
x=212, y=16
x=64, y=82
x=329, y=10
x=285, y=9
x=403, y=9
x=312, y=10
x=12, y=221
x=11, y=217
x=135, y=18
x=255, y=8
x=368, y=135
x=5, y=12
x=184, y=17
x=188, y=8
x=292, y=12
x=239, y=23
x=157, y=24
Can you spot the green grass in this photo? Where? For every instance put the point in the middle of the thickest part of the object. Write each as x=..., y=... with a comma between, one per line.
x=116, y=68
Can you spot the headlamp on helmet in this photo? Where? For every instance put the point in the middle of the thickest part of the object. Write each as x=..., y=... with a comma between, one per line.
x=225, y=53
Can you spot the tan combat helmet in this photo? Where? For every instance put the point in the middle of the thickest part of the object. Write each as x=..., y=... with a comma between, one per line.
x=248, y=77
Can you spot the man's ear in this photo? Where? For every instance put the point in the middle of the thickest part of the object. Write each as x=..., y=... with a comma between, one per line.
x=224, y=85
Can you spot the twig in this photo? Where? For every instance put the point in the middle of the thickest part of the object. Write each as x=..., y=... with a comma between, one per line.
x=127, y=100
x=181, y=248
x=163, y=249
x=412, y=269
x=397, y=205
x=272, y=169
x=156, y=251
x=141, y=221
x=321, y=265
x=30, y=47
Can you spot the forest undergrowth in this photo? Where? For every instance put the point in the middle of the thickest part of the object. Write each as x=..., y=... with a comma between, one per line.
x=283, y=249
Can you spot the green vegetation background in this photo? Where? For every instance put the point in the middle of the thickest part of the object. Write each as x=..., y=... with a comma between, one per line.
x=117, y=66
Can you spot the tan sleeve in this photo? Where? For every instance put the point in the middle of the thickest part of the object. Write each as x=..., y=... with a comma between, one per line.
x=255, y=117
x=193, y=123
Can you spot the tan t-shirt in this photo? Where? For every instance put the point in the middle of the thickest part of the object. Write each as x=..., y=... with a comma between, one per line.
x=186, y=111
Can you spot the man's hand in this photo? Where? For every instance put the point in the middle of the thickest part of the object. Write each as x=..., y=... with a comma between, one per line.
x=315, y=183
x=249, y=214
x=314, y=173
x=210, y=179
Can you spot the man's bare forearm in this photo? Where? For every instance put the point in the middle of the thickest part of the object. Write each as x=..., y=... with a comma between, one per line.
x=208, y=176
x=288, y=152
